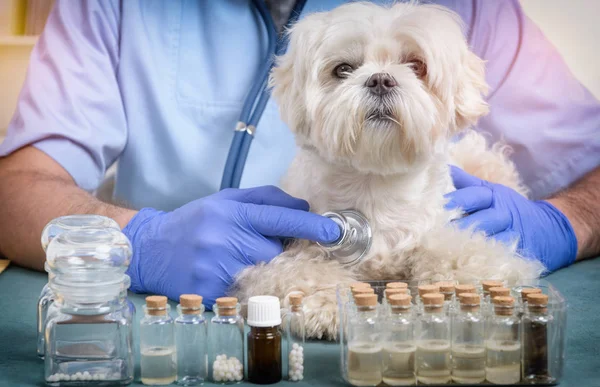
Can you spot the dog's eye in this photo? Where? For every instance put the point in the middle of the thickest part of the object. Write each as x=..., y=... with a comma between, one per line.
x=419, y=67
x=343, y=70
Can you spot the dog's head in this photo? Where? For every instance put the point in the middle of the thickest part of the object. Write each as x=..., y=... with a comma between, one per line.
x=379, y=88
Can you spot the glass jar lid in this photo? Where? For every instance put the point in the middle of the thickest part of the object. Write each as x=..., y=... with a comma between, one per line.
x=75, y=222
x=89, y=251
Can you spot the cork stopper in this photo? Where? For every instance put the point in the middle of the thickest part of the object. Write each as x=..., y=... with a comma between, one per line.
x=446, y=287
x=426, y=289
x=227, y=306
x=399, y=300
x=357, y=291
x=503, y=306
x=190, y=303
x=359, y=285
x=537, y=299
x=469, y=301
x=396, y=285
x=499, y=292
x=393, y=291
x=433, y=301
x=525, y=293
x=467, y=288
x=296, y=299
x=156, y=305
x=365, y=299
x=491, y=284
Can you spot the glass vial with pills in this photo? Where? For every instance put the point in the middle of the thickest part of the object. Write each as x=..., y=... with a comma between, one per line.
x=364, y=353
x=433, y=341
x=295, y=333
x=399, y=343
x=264, y=340
x=503, y=343
x=468, y=341
x=226, y=338
x=191, y=335
x=157, y=343
x=355, y=237
x=537, y=324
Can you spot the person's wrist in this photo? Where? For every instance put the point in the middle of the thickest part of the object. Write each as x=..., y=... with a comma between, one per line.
x=564, y=228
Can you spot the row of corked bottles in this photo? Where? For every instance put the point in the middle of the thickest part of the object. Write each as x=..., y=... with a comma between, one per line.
x=189, y=349
x=449, y=334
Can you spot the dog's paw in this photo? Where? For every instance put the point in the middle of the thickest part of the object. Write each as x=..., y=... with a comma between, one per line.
x=321, y=314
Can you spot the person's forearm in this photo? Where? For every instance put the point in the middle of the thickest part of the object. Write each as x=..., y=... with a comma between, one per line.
x=581, y=205
x=30, y=198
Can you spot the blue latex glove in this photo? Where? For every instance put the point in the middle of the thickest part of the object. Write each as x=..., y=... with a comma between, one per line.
x=201, y=247
x=542, y=231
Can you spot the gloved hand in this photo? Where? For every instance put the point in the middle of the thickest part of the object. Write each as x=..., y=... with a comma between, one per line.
x=200, y=247
x=542, y=231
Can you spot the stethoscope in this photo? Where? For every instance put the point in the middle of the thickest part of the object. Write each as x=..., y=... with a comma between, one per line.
x=257, y=99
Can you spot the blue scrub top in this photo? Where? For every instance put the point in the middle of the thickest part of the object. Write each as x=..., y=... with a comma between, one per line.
x=159, y=85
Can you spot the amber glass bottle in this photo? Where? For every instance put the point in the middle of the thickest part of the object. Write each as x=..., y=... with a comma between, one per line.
x=264, y=340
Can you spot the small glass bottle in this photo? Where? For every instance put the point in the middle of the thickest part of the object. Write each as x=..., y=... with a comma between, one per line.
x=191, y=337
x=487, y=285
x=226, y=336
x=525, y=293
x=355, y=237
x=157, y=343
x=463, y=288
x=433, y=341
x=537, y=323
x=447, y=289
x=399, y=345
x=423, y=290
x=395, y=288
x=264, y=340
x=364, y=362
x=503, y=344
x=499, y=291
x=89, y=333
x=295, y=331
x=468, y=341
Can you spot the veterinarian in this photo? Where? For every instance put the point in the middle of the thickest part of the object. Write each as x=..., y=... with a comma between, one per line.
x=159, y=86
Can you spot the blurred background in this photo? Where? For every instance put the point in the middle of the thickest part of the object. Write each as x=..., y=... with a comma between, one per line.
x=572, y=26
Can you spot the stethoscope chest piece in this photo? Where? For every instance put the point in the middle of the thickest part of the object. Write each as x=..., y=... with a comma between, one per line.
x=355, y=239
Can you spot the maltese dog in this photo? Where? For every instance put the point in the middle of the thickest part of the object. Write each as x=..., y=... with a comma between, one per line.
x=376, y=97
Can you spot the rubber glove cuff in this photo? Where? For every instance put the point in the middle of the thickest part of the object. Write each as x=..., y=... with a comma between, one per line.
x=131, y=230
x=566, y=229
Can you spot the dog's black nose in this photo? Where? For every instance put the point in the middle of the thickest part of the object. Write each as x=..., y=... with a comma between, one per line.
x=380, y=83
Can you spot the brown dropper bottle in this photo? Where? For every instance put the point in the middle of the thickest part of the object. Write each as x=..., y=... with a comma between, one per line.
x=264, y=340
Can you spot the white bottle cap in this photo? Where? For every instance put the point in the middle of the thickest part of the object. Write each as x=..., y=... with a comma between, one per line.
x=264, y=311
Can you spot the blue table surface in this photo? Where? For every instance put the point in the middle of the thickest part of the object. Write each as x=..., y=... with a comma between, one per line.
x=19, y=365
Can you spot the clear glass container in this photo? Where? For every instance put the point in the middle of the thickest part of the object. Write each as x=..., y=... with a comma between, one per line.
x=75, y=222
x=503, y=343
x=433, y=341
x=468, y=341
x=399, y=346
x=89, y=333
x=191, y=341
x=157, y=343
x=537, y=326
x=46, y=299
x=226, y=338
x=364, y=352
x=295, y=333
x=355, y=237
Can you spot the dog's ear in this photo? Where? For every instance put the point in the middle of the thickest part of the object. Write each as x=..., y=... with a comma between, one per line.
x=471, y=89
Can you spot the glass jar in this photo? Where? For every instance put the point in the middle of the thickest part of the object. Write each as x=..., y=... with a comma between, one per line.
x=46, y=299
x=503, y=343
x=355, y=237
x=399, y=345
x=537, y=328
x=264, y=340
x=468, y=341
x=158, y=362
x=433, y=341
x=364, y=353
x=89, y=333
x=75, y=222
x=295, y=333
x=191, y=335
x=226, y=337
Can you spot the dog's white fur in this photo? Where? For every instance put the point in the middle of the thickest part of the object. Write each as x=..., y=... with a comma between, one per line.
x=394, y=170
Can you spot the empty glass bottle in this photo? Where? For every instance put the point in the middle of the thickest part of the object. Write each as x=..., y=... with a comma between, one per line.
x=226, y=337
x=364, y=362
x=191, y=337
x=355, y=237
x=264, y=340
x=433, y=341
x=503, y=343
x=157, y=343
x=399, y=345
x=468, y=341
x=537, y=324
x=295, y=332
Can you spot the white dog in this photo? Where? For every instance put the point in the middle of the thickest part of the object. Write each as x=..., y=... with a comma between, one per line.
x=374, y=95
